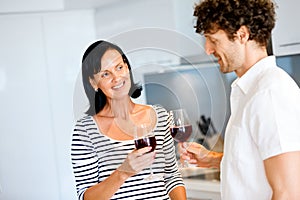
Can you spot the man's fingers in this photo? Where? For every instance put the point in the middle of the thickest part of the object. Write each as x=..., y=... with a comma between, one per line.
x=193, y=149
x=197, y=149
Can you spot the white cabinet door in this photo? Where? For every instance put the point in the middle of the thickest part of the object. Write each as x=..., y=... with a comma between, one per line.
x=286, y=34
x=164, y=37
x=28, y=167
x=40, y=59
x=191, y=44
x=67, y=34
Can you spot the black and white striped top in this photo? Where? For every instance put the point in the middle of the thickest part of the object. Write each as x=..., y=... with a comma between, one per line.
x=95, y=156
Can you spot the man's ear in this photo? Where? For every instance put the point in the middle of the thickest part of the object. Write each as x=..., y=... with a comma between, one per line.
x=243, y=34
x=93, y=83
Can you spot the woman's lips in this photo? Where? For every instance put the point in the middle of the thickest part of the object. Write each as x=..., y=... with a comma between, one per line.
x=119, y=85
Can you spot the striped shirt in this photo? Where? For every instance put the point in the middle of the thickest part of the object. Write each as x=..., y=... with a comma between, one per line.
x=95, y=156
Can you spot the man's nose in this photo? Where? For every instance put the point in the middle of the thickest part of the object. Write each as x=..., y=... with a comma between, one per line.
x=209, y=48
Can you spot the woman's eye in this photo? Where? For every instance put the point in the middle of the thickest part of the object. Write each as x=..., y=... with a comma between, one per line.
x=119, y=67
x=105, y=75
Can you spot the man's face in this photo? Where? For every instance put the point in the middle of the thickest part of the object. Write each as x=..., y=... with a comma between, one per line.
x=229, y=53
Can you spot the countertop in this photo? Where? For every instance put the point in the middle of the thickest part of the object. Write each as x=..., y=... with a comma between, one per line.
x=202, y=183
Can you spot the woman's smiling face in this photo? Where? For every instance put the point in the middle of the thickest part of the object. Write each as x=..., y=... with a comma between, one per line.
x=113, y=78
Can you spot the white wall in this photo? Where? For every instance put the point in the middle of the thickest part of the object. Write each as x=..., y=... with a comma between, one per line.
x=40, y=56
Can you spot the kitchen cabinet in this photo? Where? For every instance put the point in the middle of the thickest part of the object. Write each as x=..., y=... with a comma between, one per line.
x=40, y=60
x=191, y=44
x=286, y=34
x=66, y=35
x=153, y=42
x=27, y=150
x=166, y=37
x=145, y=37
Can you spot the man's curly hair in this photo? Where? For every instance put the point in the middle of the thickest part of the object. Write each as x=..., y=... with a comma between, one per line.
x=229, y=15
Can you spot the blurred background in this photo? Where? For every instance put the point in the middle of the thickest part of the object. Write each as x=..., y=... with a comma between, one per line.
x=41, y=46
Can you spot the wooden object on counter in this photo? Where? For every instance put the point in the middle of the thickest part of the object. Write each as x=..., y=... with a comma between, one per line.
x=215, y=142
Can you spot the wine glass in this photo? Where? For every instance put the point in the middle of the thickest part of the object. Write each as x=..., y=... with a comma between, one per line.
x=144, y=137
x=180, y=128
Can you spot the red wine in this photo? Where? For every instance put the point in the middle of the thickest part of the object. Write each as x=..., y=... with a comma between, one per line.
x=181, y=133
x=145, y=142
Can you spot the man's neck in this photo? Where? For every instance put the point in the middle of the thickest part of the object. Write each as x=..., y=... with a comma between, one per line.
x=253, y=55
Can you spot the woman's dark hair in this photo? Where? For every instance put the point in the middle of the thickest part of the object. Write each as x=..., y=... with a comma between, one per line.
x=91, y=64
x=229, y=15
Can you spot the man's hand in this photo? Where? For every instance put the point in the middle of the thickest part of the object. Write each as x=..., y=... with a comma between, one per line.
x=195, y=153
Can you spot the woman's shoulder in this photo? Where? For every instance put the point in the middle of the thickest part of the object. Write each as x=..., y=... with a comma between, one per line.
x=84, y=120
x=159, y=108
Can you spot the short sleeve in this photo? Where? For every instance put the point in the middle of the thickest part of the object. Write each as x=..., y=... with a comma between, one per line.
x=274, y=122
x=84, y=159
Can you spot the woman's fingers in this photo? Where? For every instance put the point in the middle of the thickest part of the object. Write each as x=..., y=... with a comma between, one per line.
x=142, y=151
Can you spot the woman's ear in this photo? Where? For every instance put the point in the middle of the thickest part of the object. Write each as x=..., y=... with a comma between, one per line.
x=93, y=83
x=243, y=34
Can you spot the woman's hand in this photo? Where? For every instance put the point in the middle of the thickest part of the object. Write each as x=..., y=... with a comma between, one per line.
x=136, y=161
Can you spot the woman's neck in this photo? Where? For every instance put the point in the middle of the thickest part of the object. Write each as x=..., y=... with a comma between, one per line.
x=117, y=108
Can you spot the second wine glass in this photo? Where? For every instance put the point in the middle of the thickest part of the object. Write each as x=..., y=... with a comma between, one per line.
x=180, y=128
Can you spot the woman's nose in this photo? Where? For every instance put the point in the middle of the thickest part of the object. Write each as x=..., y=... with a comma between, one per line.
x=115, y=76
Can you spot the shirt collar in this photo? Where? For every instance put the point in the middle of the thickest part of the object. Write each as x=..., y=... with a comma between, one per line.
x=250, y=77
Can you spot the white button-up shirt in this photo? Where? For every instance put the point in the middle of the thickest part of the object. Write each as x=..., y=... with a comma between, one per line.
x=264, y=122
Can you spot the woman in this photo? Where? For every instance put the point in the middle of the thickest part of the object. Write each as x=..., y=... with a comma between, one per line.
x=105, y=162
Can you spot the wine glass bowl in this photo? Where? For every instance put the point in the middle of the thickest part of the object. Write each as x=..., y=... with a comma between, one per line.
x=146, y=141
x=180, y=128
x=145, y=138
x=181, y=133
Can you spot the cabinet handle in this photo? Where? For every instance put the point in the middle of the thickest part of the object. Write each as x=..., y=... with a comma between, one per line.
x=290, y=44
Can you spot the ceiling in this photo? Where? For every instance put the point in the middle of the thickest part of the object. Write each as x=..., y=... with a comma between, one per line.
x=82, y=4
x=29, y=6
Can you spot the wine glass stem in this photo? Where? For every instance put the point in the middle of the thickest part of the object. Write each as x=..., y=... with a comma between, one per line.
x=151, y=172
x=182, y=164
x=185, y=163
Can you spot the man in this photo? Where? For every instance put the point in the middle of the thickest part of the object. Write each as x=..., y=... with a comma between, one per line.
x=261, y=158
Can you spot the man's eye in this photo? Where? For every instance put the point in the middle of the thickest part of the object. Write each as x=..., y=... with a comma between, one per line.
x=213, y=41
